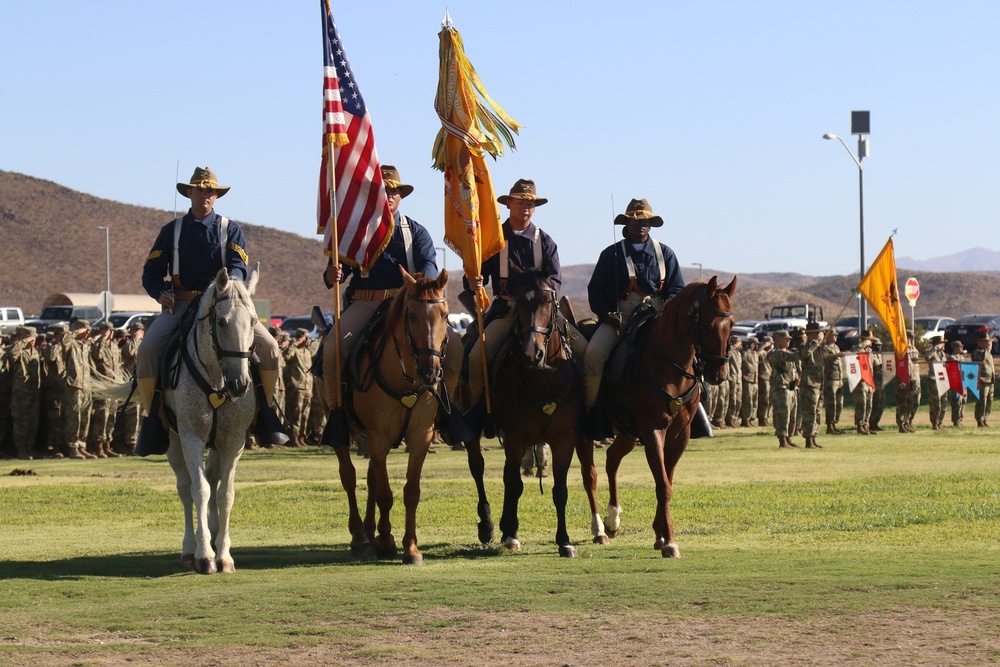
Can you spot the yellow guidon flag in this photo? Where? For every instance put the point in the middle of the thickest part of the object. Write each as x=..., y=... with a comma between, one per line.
x=470, y=127
x=880, y=291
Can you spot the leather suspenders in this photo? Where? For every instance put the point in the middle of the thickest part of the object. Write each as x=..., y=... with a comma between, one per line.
x=223, y=241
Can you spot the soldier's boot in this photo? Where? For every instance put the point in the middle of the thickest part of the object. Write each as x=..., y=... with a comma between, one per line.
x=862, y=430
x=269, y=430
x=874, y=428
x=781, y=442
x=74, y=453
x=82, y=449
x=94, y=449
x=830, y=430
x=108, y=451
x=744, y=423
x=909, y=428
x=814, y=444
x=153, y=437
x=789, y=443
x=24, y=452
x=902, y=428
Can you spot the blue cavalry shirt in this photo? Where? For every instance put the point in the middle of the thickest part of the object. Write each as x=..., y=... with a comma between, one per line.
x=521, y=251
x=610, y=279
x=200, y=255
x=384, y=273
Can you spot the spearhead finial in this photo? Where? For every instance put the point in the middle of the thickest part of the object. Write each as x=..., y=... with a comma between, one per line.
x=446, y=21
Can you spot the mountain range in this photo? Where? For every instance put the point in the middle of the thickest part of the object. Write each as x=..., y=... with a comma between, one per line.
x=50, y=242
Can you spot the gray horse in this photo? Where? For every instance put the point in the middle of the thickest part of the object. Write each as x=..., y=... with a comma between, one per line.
x=212, y=403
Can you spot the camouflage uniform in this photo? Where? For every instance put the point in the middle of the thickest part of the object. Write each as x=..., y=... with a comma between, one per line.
x=749, y=363
x=4, y=395
x=935, y=401
x=784, y=380
x=721, y=403
x=735, y=375
x=76, y=400
x=908, y=397
x=133, y=413
x=956, y=398
x=862, y=396
x=26, y=379
x=833, y=386
x=987, y=375
x=763, y=383
x=811, y=356
x=319, y=407
x=878, y=395
x=53, y=388
x=298, y=387
x=105, y=358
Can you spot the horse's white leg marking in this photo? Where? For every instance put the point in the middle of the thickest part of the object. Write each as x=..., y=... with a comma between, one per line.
x=613, y=519
x=596, y=525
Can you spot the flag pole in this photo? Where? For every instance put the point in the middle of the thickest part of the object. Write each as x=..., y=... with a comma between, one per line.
x=482, y=357
x=332, y=182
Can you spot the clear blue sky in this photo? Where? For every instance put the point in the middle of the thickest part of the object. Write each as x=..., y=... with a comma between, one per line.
x=714, y=111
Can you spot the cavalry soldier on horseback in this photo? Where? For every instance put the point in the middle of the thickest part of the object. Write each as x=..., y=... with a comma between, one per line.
x=635, y=270
x=410, y=247
x=528, y=247
x=191, y=250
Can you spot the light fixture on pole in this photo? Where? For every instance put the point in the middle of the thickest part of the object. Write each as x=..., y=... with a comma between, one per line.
x=860, y=125
x=444, y=256
x=107, y=264
x=701, y=271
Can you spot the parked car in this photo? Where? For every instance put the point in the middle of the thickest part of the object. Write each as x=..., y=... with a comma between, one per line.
x=11, y=317
x=290, y=324
x=744, y=328
x=847, y=330
x=970, y=327
x=125, y=319
x=933, y=325
x=64, y=315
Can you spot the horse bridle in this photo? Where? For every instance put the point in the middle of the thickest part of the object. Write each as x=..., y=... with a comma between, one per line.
x=545, y=331
x=699, y=318
x=416, y=351
x=220, y=352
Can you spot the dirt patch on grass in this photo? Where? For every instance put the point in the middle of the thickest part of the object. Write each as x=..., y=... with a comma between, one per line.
x=900, y=637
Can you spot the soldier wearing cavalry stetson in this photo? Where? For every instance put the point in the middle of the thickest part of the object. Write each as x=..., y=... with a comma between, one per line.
x=529, y=248
x=191, y=250
x=635, y=270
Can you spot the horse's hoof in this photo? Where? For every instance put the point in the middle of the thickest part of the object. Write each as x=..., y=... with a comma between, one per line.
x=363, y=551
x=386, y=551
x=413, y=559
x=601, y=539
x=486, y=533
x=660, y=543
x=671, y=551
x=612, y=533
x=567, y=551
x=226, y=566
x=187, y=561
x=205, y=566
x=513, y=544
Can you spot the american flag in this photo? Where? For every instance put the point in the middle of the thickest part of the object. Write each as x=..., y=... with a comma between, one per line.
x=359, y=211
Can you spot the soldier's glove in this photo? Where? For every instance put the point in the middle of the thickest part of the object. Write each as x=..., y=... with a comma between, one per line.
x=614, y=320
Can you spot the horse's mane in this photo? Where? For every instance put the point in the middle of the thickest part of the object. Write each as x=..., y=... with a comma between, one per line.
x=685, y=299
x=531, y=278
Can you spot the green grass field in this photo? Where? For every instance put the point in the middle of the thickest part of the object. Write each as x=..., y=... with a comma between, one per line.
x=874, y=549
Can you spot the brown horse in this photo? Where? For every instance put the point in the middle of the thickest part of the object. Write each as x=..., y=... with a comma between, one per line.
x=538, y=397
x=656, y=399
x=395, y=396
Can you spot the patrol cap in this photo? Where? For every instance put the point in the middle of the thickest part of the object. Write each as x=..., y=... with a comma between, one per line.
x=766, y=339
x=781, y=334
x=752, y=339
x=25, y=331
x=81, y=324
x=105, y=326
x=798, y=332
x=956, y=344
x=58, y=328
x=300, y=332
x=273, y=330
x=137, y=326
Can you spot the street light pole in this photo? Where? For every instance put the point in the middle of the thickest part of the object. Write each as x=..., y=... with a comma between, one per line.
x=444, y=256
x=701, y=271
x=107, y=264
x=860, y=127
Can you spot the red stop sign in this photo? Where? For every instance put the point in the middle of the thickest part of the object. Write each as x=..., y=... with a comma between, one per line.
x=912, y=289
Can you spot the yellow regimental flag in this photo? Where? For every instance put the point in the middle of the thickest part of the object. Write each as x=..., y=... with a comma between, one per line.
x=469, y=130
x=880, y=291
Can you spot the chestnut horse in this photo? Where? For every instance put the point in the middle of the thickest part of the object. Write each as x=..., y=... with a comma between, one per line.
x=395, y=396
x=656, y=399
x=538, y=397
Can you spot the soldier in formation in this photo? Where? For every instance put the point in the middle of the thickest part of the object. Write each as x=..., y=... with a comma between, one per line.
x=983, y=355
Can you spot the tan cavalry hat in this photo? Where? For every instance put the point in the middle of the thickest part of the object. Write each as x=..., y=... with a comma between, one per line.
x=391, y=179
x=815, y=326
x=203, y=179
x=524, y=188
x=639, y=209
x=867, y=335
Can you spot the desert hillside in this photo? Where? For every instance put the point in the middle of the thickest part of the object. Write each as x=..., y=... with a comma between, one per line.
x=49, y=242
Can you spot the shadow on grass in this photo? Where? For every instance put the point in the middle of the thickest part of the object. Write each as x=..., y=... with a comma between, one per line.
x=157, y=564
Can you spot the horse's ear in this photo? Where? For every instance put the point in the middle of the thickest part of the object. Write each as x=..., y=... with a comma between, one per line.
x=730, y=288
x=221, y=280
x=442, y=279
x=253, y=278
x=407, y=278
x=712, y=285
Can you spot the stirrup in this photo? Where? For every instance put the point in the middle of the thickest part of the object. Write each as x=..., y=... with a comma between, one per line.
x=269, y=430
x=153, y=437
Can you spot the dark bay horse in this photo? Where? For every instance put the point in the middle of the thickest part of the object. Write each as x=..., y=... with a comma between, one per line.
x=395, y=397
x=538, y=397
x=658, y=395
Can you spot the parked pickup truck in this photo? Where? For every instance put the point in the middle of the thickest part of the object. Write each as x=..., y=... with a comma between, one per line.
x=11, y=318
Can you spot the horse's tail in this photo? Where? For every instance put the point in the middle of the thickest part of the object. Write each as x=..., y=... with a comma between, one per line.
x=114, y=391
